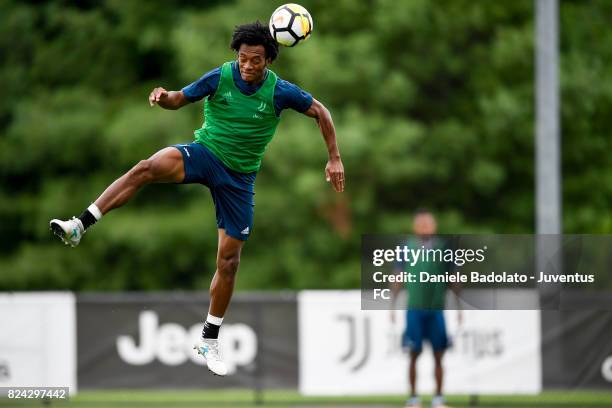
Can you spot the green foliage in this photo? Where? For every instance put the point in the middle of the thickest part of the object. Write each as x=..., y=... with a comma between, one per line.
x=433, y=104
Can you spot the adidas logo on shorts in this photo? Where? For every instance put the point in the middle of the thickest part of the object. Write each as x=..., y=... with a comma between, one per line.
x=245, y=231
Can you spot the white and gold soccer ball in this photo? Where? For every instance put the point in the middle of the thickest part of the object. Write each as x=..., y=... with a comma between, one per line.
x=290, y=24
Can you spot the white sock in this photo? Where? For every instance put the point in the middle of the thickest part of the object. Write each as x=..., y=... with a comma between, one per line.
x=95, y=211
x=214, y=320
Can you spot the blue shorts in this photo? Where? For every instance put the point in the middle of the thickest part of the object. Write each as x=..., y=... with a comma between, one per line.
x=425, y=324
x=232, y=192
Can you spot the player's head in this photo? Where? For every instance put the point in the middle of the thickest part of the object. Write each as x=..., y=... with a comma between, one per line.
x=424, y=223
x=256, y=49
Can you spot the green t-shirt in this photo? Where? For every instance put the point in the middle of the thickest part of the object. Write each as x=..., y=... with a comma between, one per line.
x=426, y=295
x=237, y=127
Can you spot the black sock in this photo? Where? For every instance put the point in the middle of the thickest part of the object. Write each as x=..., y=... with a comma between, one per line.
x=210, y=331
x=87, y=219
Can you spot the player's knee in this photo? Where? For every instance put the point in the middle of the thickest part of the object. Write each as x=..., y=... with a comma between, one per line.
x=142, y=173
x=228, y=266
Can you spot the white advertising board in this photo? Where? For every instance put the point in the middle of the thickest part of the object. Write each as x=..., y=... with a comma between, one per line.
x=348, y=351
x=38, y=340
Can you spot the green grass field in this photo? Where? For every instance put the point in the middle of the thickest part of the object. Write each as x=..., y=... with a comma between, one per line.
x=286, y=399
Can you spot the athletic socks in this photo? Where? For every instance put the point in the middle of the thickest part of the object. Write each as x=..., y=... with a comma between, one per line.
x=211, y=327
x=210, y=331
x=90, y=216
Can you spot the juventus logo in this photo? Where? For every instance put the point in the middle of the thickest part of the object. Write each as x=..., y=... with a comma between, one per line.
x=262, y=106
x=356, y=355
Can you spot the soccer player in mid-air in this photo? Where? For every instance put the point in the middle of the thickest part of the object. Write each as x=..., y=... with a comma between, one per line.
x=244, y=101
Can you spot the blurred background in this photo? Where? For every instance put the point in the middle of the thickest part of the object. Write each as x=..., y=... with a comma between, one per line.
x=433, y=103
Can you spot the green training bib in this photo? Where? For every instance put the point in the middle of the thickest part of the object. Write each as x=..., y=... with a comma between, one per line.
x=237, y=127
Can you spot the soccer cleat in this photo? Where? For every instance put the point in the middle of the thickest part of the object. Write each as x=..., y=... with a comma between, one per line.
x=413, y=402
x=70, y=232
x=438, y=402
x=209, y=349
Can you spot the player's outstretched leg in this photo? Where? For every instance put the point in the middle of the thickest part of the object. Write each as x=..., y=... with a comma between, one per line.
x=165, y=166
x=221, y=289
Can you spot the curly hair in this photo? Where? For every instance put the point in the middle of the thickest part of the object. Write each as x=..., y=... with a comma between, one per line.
x=255, y=34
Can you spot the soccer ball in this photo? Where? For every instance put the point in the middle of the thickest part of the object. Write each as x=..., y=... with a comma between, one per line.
x=290, y=25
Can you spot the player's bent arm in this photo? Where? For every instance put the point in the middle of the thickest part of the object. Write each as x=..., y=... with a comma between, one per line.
x=334, y=171
x=456, y=288
x=324, y=120
x=170, y=100
x=396, y=288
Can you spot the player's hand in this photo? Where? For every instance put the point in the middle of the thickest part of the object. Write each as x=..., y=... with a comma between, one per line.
x=334, y=173
x=156, y=95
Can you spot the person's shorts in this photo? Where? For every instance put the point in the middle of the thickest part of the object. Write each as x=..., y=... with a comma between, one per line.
x=425, y=324
x=232, y=192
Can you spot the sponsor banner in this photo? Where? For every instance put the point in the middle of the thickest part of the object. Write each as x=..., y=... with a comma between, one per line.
x=577, y=349
x=144, y=340
x=37, y=340
x=360, y=351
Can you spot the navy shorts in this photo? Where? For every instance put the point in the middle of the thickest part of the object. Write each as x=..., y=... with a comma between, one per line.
x=232, y=192
x=425, y=324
